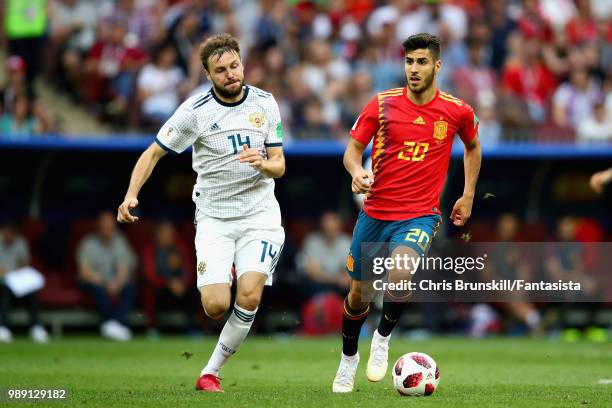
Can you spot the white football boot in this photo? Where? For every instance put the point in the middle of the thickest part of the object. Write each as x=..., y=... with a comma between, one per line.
x=379, y=357
x=5, y=335
x=345, y=376
x=39, y=334
x=112, y=329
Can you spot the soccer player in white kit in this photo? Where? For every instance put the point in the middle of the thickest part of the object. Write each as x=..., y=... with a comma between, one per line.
x=235, y=131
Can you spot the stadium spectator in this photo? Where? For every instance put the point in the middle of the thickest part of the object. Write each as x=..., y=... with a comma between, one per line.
x=168, y=276
x=489, y=130
x=15, y=254
x=26, y=118
x=570, y=260
x=18, y=123
x=583, y=26
x=358, y=93
x=313, y=125
x=509, y=263
x=323, y=257
x=185, y=34
x=270, y=24
x=25, y=30
x=434, y=17
x=143, y=21
x=557, y=12
x=106, y=262
x=321, y=68
x=607, y=87
x=566, y=260
x=597, y=128
x=15, y=83
x=475, y=80
x=381, y=54
x=501, y=26
x=531, y=22
x=573, y=101
x=110, y=68
x=605, y=43
x=178, y=8
x=161, y=85
x=72, y=34
x=223, y=18
x=526, y=77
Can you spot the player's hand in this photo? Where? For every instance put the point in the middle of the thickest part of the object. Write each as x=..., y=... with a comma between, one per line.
x=462, y=211
x=113, y=288
x=600, y=179
x=123, y=213
x=176, y=286
x=252, y=156
x=362, y=182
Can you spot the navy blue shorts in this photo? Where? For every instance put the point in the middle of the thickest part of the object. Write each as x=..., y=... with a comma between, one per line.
x=416, y=233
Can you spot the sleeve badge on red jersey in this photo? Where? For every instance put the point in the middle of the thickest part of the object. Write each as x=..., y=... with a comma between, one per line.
x=440, y=130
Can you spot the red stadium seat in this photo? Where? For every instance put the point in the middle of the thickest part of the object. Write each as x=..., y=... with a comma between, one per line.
x=139, y=234
x=61, y=291
x=299, y=228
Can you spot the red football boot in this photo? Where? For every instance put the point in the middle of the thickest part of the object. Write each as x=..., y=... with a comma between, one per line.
x=209, y=383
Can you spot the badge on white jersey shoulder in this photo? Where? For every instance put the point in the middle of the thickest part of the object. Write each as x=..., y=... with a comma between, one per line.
x=257, y=119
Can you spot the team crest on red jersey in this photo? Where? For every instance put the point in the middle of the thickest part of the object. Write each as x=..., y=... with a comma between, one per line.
x=440, y=130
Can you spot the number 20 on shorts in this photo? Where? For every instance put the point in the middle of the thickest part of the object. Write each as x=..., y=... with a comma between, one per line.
x=420, y=237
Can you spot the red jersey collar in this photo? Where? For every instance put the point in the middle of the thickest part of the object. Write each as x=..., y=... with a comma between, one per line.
x=420, y=106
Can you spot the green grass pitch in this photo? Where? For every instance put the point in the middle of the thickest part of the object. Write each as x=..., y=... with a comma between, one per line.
x=297, y=372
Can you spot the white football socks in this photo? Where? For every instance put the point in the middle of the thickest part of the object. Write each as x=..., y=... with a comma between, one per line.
x=233, y=334
x=377, y=337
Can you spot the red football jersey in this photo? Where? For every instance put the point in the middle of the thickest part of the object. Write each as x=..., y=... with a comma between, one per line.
x=411, y=150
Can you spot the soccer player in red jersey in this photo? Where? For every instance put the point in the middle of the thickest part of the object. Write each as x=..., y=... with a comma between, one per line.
x=413, y=130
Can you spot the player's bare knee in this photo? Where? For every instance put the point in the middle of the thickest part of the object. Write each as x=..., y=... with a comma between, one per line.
x=355, y=300
x=215, y=308
x=249, y=300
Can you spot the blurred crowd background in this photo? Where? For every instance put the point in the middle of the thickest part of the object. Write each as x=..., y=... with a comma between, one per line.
x=536, y=71
x=131, y=62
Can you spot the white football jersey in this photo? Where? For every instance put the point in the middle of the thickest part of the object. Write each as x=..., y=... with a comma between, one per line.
x=217, y=130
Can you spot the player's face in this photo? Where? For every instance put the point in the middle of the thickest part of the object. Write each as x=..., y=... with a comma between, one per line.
x=226, y=74
x=421, y=70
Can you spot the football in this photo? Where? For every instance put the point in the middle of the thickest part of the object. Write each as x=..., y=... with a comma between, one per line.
x=415, y=375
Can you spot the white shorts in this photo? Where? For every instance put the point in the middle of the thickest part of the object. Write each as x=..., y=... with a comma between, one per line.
x=252, y=244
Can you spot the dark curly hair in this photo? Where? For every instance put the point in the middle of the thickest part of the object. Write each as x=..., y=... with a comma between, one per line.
x=217, y=45
x=421, y=41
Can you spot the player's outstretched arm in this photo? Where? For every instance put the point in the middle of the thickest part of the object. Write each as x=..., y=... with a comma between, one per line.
x=353, y=158
x=472, y=157
x=141, y=173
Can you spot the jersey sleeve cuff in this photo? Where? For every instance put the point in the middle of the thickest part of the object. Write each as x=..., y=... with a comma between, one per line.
x=273, y=144
x=166, y=148
x=359, y=139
